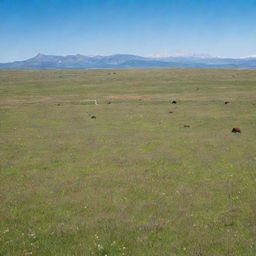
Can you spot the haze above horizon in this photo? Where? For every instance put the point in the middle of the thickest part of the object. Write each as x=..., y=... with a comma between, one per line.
x=146, y=28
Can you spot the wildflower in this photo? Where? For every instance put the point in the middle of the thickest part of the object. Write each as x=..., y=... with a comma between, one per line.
x=100, y=247
x=32, y=235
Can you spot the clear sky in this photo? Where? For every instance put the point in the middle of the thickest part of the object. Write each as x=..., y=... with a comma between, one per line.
x=143, y=27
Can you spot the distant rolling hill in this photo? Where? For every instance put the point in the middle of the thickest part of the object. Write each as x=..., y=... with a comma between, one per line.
x=119, y=61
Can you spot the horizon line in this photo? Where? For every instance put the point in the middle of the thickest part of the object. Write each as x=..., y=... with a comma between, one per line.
x=153, y=56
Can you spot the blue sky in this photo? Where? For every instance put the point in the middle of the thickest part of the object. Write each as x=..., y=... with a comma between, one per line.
x=143, y=27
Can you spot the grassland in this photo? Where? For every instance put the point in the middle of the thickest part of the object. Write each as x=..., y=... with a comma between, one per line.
x=133, y=182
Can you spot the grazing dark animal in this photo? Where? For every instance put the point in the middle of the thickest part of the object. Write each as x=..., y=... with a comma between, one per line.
x=186, y=126
x=93, y=117
x=58, y=104
x=174, y=102
x=109, y=102
x=236, y=130
x=227, y=102
x=170, y=112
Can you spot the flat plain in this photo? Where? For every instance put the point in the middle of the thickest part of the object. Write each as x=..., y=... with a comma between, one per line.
x=134, y=181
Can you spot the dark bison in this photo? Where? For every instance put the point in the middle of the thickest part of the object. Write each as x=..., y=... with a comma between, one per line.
x=109, y=102
x=174, y=102
x=186, y=125
x=227, y=102
x=170, y=112
x=236, y=130
x=93, y=117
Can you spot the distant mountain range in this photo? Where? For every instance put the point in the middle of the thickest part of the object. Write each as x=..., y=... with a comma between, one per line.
x=121, y=61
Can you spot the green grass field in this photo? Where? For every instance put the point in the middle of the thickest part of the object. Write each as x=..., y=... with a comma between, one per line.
x=134, y=181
